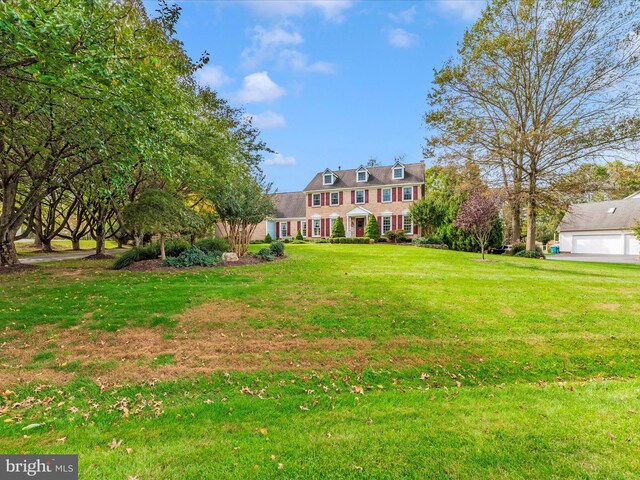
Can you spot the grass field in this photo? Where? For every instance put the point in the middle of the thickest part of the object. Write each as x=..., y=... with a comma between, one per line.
x=26, y=249
x=341, y=361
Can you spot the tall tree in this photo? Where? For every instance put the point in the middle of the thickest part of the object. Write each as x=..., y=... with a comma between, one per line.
x=538, y=88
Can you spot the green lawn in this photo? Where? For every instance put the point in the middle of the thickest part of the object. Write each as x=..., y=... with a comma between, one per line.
x=342, y=361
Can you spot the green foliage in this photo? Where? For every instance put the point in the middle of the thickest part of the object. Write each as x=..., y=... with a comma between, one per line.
x=192, y=257
x=427, y=241
x=265, y=254
x=160, y=212
x=517, y=248
x=299, y=236
x=277, y=248
x=137, y=254
x=175, y=247
x=268, y=239
x=372, y=230
x=396, y=236
x=530, y=254
x=211, y=245
x=338, y=229
x=636, y=231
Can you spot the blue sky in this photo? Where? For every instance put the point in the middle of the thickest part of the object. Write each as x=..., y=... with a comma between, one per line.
x=329, y=83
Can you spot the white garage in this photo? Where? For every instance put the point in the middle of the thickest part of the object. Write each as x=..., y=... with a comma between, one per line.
x=601, y=228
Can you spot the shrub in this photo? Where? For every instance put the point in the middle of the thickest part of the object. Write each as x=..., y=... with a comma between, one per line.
x=530, y=254
x=268, y=239
x=215, y=244
x=338, y=229
x=372, y=230
x=323, y=240
x=428, y=241
x=299, y=236
x=265, y=254
x=517, y=247
x=439, y=246
x=286, y=240
x=351, y=240
x=192, y=257
x=137, y=254
x=277, y=248
x=396, y=236
x=175, y=247
x=296, y=241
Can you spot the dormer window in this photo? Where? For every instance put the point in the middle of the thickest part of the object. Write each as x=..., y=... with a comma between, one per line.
x=398, y=173
x=362, y=174
x=328, y=177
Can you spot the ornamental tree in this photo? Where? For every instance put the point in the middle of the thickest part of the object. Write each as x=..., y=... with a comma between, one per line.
x=338, y=229
x=372, y=230
x=158, y=212
x=477, y=215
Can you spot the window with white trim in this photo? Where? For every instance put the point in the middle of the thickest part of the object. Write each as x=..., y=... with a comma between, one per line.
x=398, y=173
x=316, y=228
x=331, y=222
x=362, y=176
x=359, y=196
x=316, y=200
x=283, y=229
x=386, y=224
x=335, y=198
x=407, y=193
x=407, y=224
x=386, y=195
x=328, y=179
x=303, y=228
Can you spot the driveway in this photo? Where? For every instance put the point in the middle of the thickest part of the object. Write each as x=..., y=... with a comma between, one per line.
x=592, y=257
x=56, y=257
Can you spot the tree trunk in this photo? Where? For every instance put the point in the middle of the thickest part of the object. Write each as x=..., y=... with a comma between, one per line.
x=531, y=214
x=75, y=243
x=37, y=241
x=138, y=239
x=46, y=245
x=163, y=256
x=99, y=239
x=193, y=239
x=8, y=254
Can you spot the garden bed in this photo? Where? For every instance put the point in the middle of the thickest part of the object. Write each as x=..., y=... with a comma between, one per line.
x=156, y=264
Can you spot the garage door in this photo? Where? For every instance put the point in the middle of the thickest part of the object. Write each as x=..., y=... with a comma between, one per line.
x=611, y=244
x=631, y=245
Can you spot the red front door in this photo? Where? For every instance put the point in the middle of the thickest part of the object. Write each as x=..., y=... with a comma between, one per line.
x=359, y=227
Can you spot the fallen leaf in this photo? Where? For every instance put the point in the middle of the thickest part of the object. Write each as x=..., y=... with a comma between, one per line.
x=263, y=430
x=33, y=425
x=280, y=466
x=62, y=440
x=115, y=444
x=129, y=451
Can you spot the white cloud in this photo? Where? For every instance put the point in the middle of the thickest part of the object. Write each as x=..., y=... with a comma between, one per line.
x=329, y=9
x=258, y=87
x=299, y=62
x=462, y=9
x=265, y=44
x=212, y=76
x=400, y=38
x=266, y=120
x=405, y=16
x=279, y=159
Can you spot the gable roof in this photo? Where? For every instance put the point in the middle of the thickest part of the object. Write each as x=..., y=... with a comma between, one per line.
x=413, y=173
x=289, y=205
x=596, y=216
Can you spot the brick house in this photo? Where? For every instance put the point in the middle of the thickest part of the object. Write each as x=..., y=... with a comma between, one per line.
x=386, y=192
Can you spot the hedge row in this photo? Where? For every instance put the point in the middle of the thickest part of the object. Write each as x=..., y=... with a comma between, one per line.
x=351, y=240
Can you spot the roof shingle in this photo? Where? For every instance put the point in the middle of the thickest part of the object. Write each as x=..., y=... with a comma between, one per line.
x=596, y=216
x=413, y=173
x=289, y=205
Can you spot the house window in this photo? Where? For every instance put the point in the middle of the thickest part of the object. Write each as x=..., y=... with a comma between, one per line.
x=331, y=222
x=328, y=178
x=407, y=224
x=386, y=224
x=283, y=229
x=407, y=193
x=362, y=176
x=398, y=173
x=359, y=196
x=316, y=199
x=335, y=198
x=303, y=228
x=386, y=195
x=316, y=228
